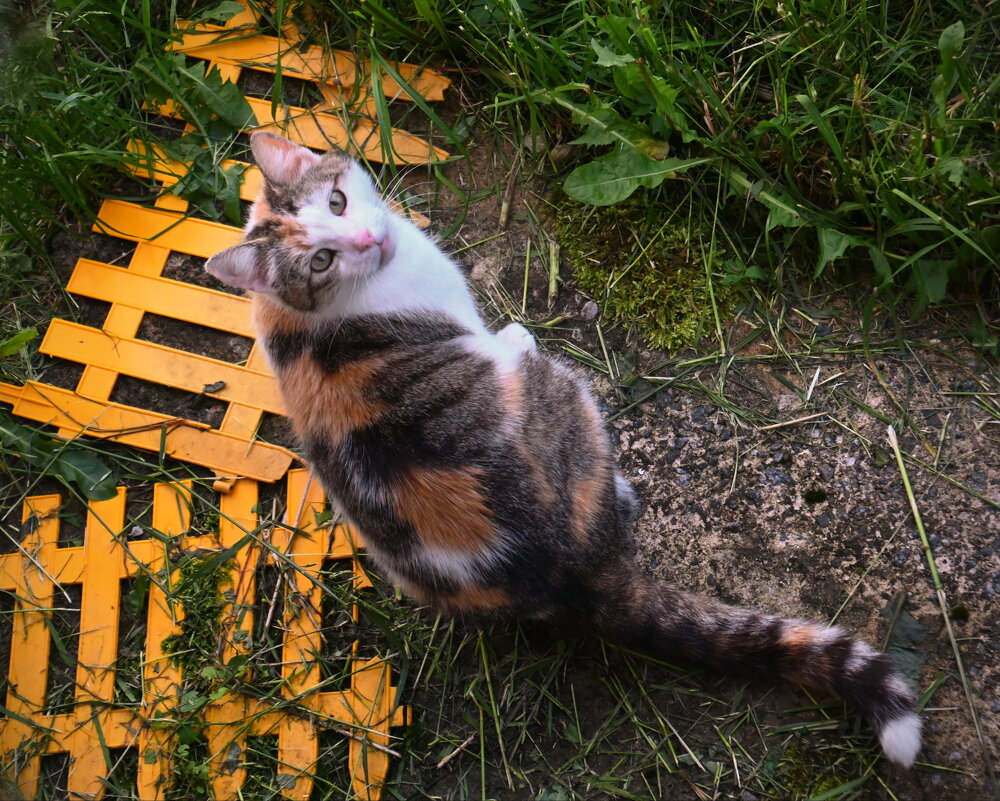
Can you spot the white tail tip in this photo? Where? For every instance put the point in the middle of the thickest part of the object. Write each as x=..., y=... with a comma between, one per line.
x=900, y=739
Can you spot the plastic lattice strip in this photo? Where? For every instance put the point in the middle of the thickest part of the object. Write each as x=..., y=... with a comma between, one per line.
x=41, y=572
x=348, y=114
x=114, y=349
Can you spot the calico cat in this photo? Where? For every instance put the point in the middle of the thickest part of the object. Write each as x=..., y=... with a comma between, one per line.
x=476, y=467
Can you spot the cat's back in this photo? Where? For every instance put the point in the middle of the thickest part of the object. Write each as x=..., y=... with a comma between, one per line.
x=462, y=466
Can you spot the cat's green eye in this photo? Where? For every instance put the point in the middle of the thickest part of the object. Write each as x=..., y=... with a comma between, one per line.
x=338, y=202
x=321, y=260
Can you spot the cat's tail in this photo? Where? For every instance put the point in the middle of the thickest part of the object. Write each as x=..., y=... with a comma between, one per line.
x=657, y=618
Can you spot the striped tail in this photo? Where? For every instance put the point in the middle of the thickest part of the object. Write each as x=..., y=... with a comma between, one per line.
x=656, y=618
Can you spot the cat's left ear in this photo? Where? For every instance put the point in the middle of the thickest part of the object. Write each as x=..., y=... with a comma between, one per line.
x=281, y=160
x=240, y=266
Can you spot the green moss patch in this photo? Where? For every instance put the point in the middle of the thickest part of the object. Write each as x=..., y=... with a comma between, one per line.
x=645, y=268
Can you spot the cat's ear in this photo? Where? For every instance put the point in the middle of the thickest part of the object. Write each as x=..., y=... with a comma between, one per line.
x=240, y=266
x=281, y=161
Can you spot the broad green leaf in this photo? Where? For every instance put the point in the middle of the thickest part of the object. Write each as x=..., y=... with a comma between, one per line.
x=832, y=244
x=783, y=217
x=220, y=12
x=617, y=175
x=605, y=126
x=608, y=58
x=230, y=194
x=882, y=270
x=950, y=42
x=221, y=98
x=71, y=464
x=630, y=83
x=619, y=29
x=949, y=45
x=93, y=478
x=954, y=168
x=16, y=342
x=930, y=276
x=773, y=198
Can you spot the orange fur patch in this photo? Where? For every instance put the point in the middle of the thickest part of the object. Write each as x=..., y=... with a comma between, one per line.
x=546, y=493
x=801, y=636
x=813, y=669
x=512, y=392
x=292, y=233
x=598, y=434
x=473, y=599
x=260, y=210
x=585, y=498
x=333, y=404
x=271, y=317
x=446, y=507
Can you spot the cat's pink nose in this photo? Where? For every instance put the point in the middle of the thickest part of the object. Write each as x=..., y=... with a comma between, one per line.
x=364, y=240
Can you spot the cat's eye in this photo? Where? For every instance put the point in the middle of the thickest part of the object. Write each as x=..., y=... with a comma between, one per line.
x=338, y=202
x=321, y=260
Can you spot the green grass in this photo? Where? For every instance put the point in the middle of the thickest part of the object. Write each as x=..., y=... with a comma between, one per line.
x=850, y=141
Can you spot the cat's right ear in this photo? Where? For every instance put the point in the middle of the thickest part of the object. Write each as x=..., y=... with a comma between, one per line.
x=240, y=266
x=281, y=160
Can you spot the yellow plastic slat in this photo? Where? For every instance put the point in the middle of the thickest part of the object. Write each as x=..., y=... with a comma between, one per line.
x=166, y=229
x=321, y=131
x=160, y=364
x=366, y=709
x=184, y=439
x=161, y=679
x=269, y=53
x=96, y=653
x=96, y=382
x=26, y=574
x=78, y=736
x=236, y=519
x=370, y=710
x=162, y=296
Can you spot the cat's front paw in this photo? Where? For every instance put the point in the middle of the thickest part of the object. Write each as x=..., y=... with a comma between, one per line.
x=518, y=337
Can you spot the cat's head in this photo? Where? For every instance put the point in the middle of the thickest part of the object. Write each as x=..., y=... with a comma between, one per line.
x=318, y=224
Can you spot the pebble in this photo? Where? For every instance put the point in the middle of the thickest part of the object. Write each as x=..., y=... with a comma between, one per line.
x=589, y=311
x=776, y=476
x=746, y=795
